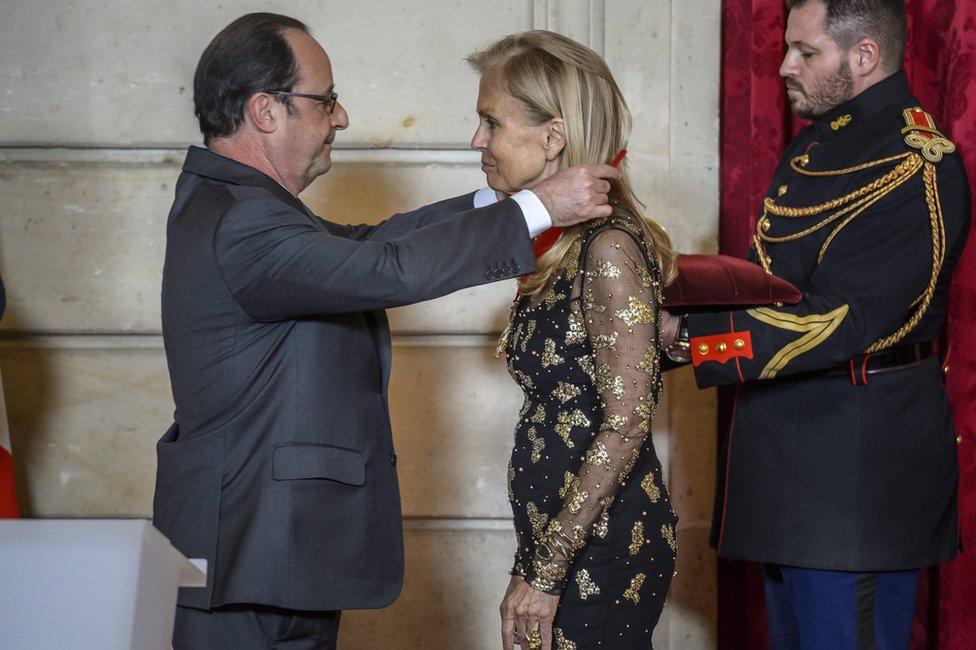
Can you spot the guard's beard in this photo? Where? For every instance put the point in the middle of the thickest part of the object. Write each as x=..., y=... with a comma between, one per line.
x=826, y=95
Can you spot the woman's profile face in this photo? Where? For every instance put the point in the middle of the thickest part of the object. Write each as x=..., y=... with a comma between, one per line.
x=513, y=151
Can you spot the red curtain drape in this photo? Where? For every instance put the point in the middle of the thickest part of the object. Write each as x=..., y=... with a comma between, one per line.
x=756, y=126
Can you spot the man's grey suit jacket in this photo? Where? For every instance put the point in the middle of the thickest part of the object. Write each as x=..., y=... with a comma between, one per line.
x=280, y=468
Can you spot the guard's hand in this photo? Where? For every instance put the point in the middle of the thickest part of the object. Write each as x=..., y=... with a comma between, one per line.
x=670, y=325
x=577, y=194
x=525, y=609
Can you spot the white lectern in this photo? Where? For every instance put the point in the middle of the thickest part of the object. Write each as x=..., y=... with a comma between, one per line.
x=83, y=583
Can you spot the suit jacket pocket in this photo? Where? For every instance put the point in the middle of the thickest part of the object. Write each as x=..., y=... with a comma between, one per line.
x=310, y=460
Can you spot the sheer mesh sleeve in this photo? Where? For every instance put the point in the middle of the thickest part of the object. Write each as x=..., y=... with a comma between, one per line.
x=620, y=311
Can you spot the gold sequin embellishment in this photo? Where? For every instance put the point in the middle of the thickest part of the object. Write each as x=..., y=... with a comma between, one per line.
x=565, y=392
x=577, y=330
x=572, y=493
x=523, y=380
x=604, y=269
x=537, y=519
x=632, y=592
x=602, y=527
x=570, y=261
x=511, y=478
x=637, y=538
x=650, y=488
x=598, y=456
x=669, y=535
x=605, y=341
x=566, y=420
x=590, y=303
x=539, y=417
x=586, y=365
x=607, y=382
x=586, y=585
x=649, y=364
x=562, y=643
x=613, y=422
x=646, y=413
x=529, y=331
x=636, y=312
x=549, y=356
x=538, y=444
x=551, y=298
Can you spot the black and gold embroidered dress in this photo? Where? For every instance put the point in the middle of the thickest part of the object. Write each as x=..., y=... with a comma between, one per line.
x=585, y=483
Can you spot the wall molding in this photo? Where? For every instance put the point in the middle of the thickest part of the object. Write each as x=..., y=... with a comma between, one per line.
x=582, y=20
x=174, y=155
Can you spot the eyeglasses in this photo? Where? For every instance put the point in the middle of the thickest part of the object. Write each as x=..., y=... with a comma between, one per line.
x=329, y=101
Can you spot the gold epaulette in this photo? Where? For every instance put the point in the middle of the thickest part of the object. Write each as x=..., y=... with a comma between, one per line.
x=922, y=134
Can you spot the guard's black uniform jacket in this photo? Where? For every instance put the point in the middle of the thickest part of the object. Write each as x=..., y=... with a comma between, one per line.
x=842, y=453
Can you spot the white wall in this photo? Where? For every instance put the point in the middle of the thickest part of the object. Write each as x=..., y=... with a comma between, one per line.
x=95, y=113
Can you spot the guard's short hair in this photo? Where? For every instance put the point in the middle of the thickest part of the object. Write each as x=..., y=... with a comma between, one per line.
x=848, y=21
x=250, y=55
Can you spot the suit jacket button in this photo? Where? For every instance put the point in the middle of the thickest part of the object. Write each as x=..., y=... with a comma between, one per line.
x=393, y=460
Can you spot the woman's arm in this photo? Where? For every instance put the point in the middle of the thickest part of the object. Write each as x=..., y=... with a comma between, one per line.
x=620, y=312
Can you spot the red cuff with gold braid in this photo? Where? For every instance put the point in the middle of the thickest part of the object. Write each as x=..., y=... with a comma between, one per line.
x=721, y=347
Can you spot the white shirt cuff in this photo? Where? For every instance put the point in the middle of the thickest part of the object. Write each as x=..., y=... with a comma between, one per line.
x=537, y=218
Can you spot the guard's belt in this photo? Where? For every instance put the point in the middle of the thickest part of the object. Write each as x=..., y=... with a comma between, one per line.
x=861, y=367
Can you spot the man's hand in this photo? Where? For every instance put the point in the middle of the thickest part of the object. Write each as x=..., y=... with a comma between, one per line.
x=669, y=328
x=577, y=194
x=525, y=609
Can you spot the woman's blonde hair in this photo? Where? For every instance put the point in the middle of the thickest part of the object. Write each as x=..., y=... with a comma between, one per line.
x=556, y=77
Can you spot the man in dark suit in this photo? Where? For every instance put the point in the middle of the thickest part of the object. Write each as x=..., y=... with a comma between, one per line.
x=840, y=470
x=280, y=468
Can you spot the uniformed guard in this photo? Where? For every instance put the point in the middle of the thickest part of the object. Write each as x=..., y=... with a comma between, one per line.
x=840, y=468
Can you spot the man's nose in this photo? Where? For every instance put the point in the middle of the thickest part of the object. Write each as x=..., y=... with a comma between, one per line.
x=787, y=68
x=340, y=118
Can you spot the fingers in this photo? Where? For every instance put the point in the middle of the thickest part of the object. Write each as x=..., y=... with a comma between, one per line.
x=578, y=194
x=508, y=624
x=603, y=171
x=546, y=629
x=508, y=634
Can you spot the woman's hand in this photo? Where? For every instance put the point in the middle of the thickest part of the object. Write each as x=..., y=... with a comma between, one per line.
x=524, y=609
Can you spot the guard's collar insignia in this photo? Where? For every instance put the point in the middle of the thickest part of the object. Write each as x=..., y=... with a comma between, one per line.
x=841, y=122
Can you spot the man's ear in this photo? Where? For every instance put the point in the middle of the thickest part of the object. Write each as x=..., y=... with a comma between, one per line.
x=555, y=138
x=263, y=112
x=865, y=57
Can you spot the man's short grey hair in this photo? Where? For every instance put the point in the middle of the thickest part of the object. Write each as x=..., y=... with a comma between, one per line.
x=848, y=21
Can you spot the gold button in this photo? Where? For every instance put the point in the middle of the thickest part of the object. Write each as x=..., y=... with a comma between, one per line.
x=783, y=189
x=738, y=344
x=764, y=224
x=804, y=160
x=721, y=347
x=958, y=440
x=703, y=348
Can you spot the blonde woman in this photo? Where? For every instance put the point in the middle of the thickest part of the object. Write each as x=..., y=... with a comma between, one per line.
x=596, y=532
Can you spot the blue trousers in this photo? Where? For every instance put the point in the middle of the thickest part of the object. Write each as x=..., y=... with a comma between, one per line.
x=811, y=609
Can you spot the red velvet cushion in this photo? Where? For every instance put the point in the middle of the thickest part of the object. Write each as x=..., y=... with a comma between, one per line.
x=710, y=280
